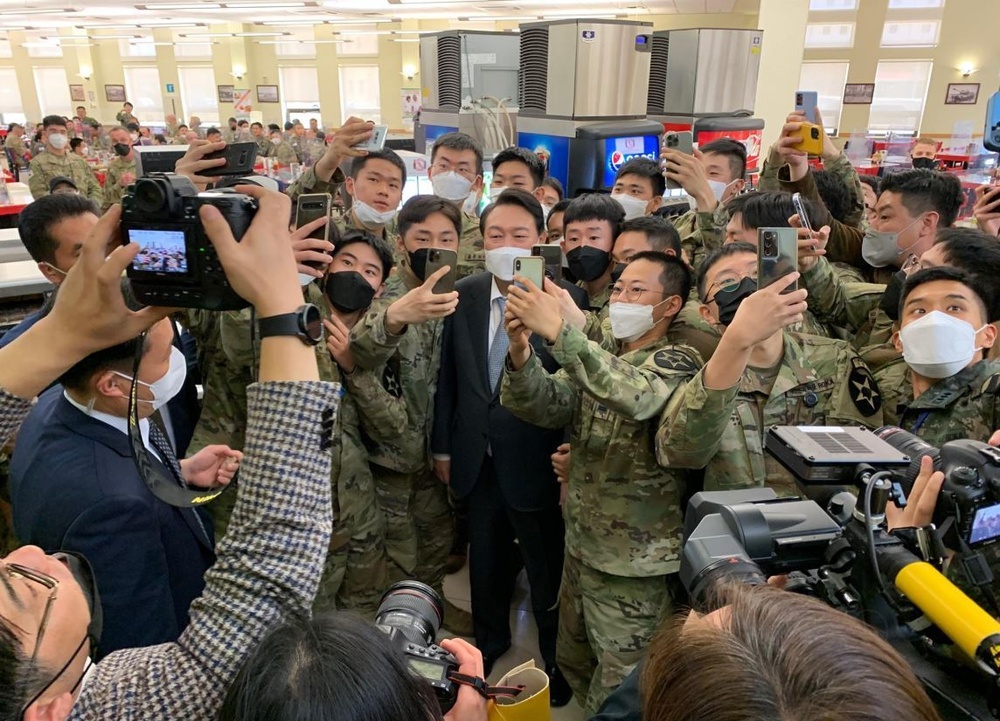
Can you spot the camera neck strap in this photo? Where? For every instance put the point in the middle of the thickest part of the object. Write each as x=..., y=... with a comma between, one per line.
x=162, y=485
x=484, y=689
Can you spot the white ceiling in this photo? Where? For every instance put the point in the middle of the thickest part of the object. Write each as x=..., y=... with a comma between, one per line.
x=79, y=17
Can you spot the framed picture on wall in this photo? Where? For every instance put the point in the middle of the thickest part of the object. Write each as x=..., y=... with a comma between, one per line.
x=859, y=93
x=114, y=93
x=76, y=93
x=226, y=93
x=962, y=94
x=267, y=93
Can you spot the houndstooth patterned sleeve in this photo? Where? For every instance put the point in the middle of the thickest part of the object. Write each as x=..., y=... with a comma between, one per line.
x=13, y=411
x=268, y=568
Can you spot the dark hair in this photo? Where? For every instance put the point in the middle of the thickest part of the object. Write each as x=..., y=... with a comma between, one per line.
x=84, y=107
x=924, y=191
x=75, y=143
x=182, y=126
x=244, y=121
x=273, y=126
x=556, y=185
x=778, y=655
x=118, y=357
x=976, y=283
x=520, y=198
x=736, y=204
x=19, y=678
x=50, y=120
x=645, y=168
x=977, y=253
x=231, y=120
x=459, y=141
x=257, y=124
x=733, y=150
x=559, y=207
x=420, y=207
x=521, y=155
x=769, y=209
x=333, y=667
x=36, y=221
x=674, y=275
x=381, y=248
x=660, y=234
x=726, y=251
x=213, y=131
x=834, y=193
x=289, y=125
x=132, y=127
x=385, y=154
x=160, y=138
x=595, y=206
x=13, y=125
x=871, y=181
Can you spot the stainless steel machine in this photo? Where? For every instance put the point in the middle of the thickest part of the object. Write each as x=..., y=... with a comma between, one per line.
x=583, y=98
x=705, y=80
x=470, y=83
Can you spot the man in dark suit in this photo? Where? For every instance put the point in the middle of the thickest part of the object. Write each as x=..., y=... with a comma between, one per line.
x=75, y=487
x=499, y=464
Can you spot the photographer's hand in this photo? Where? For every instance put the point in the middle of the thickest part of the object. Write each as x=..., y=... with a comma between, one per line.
x=919, y=511
x=89, y=314
x=470, y=706
x=193, y=163
x=261, y=268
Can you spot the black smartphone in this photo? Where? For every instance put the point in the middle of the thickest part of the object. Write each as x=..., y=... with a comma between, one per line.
x=777, y=256
x=438, y=258
x=310, y=207
x=240, y=159
x=553, y=260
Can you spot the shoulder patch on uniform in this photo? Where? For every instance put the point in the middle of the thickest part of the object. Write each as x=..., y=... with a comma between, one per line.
x=676, y=360
x=863, y=389
x=992, y=385
x=391, y=383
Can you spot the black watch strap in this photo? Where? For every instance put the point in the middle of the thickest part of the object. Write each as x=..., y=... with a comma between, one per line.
x=306, y=323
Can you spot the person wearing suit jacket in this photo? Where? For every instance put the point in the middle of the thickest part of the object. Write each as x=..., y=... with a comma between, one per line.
x=75, y=487
x=499, y=464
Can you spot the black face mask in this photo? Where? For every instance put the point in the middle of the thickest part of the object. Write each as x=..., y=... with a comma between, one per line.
x=122, y=149
x=893, y=292
x=729, y=301
x=84, y=575
x=418, y=262
x=617, y=272
x=348, y=291
x=924, y=163
x=588, y=263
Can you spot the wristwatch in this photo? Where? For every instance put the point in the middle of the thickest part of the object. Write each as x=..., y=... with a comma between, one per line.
x=306, y=323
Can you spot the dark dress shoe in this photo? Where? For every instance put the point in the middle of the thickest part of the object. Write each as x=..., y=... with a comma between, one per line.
x=559, y=691
x=491, y=658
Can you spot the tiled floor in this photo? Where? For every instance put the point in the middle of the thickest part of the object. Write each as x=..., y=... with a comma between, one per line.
x=522, y=625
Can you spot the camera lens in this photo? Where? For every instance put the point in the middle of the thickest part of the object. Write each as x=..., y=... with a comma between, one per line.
x=912, y=446
x=815, y=133
x=414, y=608
x=704, y=587
x=150, y=197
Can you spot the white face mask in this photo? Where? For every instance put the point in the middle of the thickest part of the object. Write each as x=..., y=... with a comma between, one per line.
x=500, y=261
x=58, y=140
x=718, y=188
x=630, y=320
x=276, y=139
x=546, y=209
x=938, y=345
x=471, y=204
x=633, y=207
x=170, y=384
x=451, y=186
x=496, y=190
x=368, y=216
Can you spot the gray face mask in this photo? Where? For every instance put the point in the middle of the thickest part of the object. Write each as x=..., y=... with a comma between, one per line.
x=881, y=248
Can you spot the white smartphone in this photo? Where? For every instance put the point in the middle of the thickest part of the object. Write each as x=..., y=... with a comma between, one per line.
x=377, y=140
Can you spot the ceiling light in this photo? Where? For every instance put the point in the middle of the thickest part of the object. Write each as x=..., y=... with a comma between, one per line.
x=303, y=42
x=115, y=37
x=263, y=6
x=131, y=26
x=49, y=11
x=404, y=40
x=260, y=35
x=365, y=32
x=190, y=6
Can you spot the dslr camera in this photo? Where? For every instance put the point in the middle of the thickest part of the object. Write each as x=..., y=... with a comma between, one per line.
x=410, y=614
x=178, y=266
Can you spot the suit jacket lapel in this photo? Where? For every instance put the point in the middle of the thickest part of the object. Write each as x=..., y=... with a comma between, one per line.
x=477, y=315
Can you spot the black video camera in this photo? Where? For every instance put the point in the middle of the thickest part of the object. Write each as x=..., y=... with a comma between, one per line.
x=410, y=614
x=971, y=490
x=178, y=266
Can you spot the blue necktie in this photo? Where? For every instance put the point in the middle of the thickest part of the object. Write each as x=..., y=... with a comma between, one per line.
x=161, y=444
x=498, y=347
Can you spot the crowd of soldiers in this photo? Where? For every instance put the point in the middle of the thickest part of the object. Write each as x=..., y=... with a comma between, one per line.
x=664, y=383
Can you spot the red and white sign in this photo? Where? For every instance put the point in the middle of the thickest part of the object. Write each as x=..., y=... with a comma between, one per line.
x=752, y=139
x=242, y=103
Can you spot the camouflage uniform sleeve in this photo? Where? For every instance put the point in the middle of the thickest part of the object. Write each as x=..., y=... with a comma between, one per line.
x=309, y=183
x=840, y=167
x=693, y=423
x=840, y=304
x=38, y=183
x=92, y=189
x=702, y=232
x=844, y=244
x=383, y=415
x=768, y=179
x=236, y=338
x=537, y=396
x=635, y=392
x=856, y=400
x=112, y=188
x=371, y=342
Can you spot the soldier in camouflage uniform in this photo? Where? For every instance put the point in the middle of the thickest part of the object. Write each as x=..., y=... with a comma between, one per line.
x=402, y=332
x=759, y=377
x=58, y=161
x=623, y=511
x=590, y=225
x=121, y=170
x=15, y=144
x=966, y=403
x=280, y=150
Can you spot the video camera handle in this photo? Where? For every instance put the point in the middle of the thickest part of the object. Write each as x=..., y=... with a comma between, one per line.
x=960, y=618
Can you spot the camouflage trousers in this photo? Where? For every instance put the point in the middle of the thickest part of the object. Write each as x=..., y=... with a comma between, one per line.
x=418, y=524
x=606, y=622
x=356, y=572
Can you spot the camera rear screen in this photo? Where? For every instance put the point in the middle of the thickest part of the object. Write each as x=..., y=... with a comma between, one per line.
x=163, y=251
x=986, y=524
